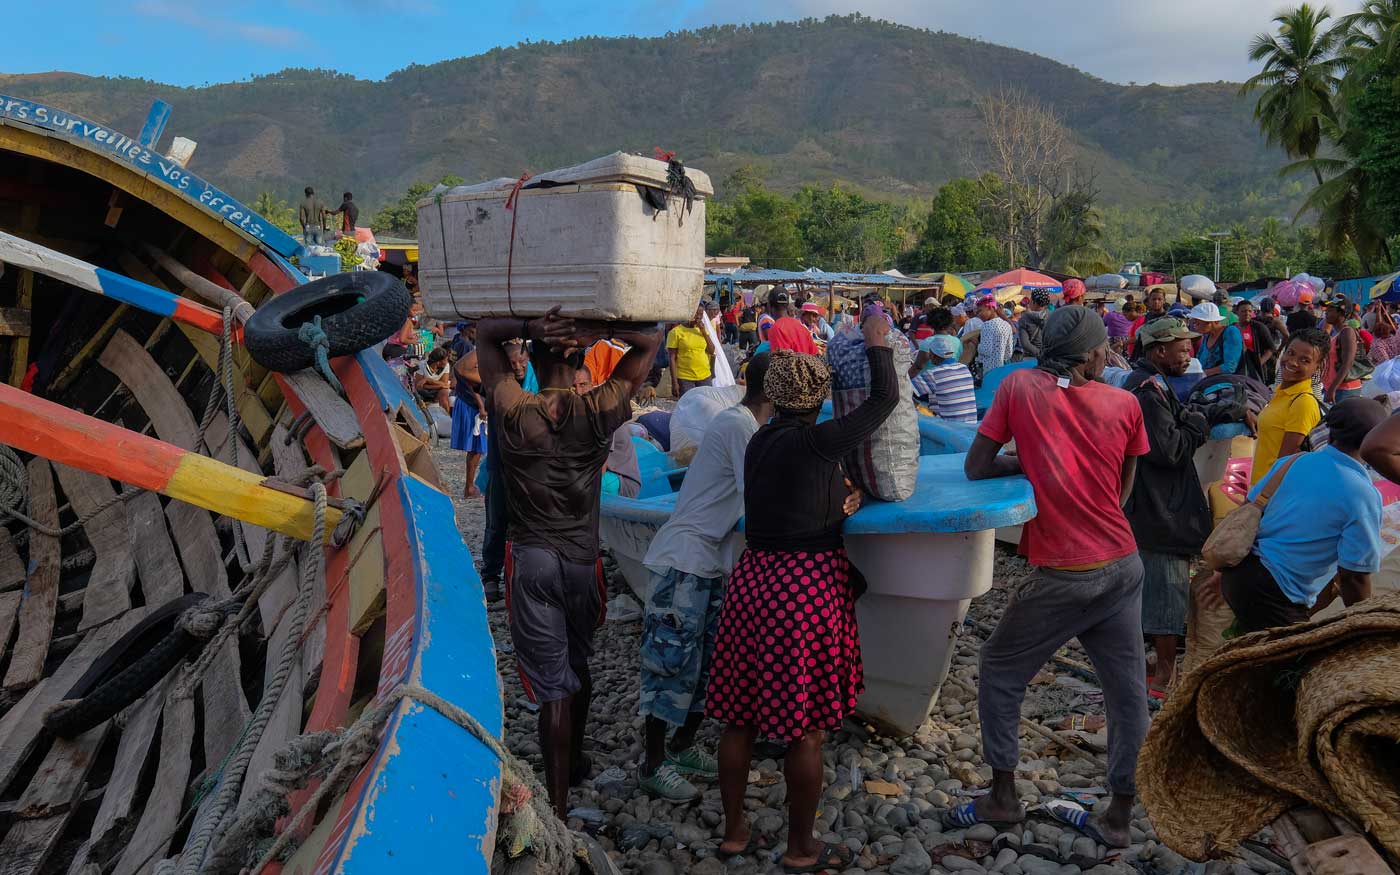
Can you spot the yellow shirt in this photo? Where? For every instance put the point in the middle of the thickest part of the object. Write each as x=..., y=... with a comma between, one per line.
x=692, y=359
x=1294, y=410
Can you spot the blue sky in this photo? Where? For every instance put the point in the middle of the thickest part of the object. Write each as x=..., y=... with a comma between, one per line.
x=191, y=42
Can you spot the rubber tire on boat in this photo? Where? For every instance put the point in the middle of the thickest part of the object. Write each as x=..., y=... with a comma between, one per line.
x=128, y=669
x=357, y=310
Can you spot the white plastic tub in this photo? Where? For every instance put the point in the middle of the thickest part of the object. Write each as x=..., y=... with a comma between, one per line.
x=583, y=237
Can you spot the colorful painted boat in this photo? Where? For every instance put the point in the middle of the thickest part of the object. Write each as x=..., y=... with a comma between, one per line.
x=117, y=356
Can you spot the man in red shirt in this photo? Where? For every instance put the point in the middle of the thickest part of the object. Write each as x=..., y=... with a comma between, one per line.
x=1077, y=441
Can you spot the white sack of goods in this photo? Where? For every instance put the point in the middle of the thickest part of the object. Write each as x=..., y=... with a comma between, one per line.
x=1198, y=286
x=621, y=238
x=1106, y=281
x=886, y=466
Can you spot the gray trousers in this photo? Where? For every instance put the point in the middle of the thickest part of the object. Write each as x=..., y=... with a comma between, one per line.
x=1103, y=609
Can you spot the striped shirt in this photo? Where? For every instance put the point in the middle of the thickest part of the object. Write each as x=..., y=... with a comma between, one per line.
x=949, y=390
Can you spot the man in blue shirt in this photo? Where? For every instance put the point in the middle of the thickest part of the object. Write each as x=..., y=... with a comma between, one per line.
x=1323, y=521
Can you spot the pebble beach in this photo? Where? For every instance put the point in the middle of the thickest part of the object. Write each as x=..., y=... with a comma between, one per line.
x=883, y=796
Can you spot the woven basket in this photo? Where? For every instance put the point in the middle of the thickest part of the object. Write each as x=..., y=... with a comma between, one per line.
x=1222, y=759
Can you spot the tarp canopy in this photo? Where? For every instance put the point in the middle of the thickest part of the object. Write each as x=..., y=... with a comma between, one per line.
x=1026, y=279
x=1387, y=289
x=745, y=276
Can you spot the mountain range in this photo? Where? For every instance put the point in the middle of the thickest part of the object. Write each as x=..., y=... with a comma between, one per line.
x=884, y=108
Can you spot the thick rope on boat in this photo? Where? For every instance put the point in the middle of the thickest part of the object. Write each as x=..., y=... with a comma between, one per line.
x=14, y=490
x=527, y=820
x=217, y=819
x=313, y=335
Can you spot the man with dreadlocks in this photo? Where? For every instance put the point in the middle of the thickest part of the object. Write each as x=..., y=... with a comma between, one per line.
x=553, y=446
x=1077, y=441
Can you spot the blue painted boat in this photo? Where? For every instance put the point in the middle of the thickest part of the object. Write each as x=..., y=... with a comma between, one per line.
x=400, y=604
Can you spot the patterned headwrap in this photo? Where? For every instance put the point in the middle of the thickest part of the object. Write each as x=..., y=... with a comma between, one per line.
x=796, y=382
x=1040, y=297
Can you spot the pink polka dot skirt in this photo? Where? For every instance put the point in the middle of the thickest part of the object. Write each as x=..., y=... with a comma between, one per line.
x=787, y=658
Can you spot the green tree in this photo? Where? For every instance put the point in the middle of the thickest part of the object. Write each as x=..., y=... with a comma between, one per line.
x=754, y=222
x=400, y=218
x=276, y=211
x=844, y=231
x=1344, y=201
x=1073, y=234
x=1296, y=85
x=954, y=236
x=1373, y=115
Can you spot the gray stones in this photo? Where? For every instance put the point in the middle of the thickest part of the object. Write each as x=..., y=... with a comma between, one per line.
x=913, y=860
x=982, y=832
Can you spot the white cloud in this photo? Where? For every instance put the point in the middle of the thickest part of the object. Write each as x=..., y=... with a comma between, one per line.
x=219, y=25
x=1171, y=42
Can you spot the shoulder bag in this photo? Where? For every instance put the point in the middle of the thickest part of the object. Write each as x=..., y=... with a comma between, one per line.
x=1233, y=538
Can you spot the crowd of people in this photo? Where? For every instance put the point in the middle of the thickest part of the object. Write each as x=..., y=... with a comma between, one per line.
x=758, y=631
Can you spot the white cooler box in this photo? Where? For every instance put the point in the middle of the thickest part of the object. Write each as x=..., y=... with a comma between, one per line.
x=584, y=238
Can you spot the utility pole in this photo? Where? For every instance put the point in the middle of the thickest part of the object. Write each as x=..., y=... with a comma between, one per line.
x=1216, y=235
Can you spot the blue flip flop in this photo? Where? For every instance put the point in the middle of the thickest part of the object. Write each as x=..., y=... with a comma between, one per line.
x=965, y=815
x=1074, y=815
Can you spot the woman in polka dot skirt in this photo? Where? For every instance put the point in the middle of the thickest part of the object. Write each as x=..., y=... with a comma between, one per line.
x=787, y=659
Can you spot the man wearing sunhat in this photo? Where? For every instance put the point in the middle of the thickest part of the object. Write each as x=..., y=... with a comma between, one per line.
x=946, y=384
x=1167, y=508
x=815, y=320
x=1222, y=346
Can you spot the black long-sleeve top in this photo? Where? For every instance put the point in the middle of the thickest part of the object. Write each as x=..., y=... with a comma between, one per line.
x=794, y=486
x=1167, y=508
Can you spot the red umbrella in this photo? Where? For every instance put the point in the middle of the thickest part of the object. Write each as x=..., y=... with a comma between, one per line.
x=1027, y=279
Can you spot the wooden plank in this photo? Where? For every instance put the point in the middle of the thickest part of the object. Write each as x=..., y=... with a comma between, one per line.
x=24, y=297
x=250, y=407
x=19, y=356
x=365, y=571
x=36, y=612
x=17, y=739
x=29, y=843
x=9, y=611
x=157, y=566
x=108, y=591
x=12, y=572
x=152, y=836
x=225, y=707
x=286, y=716
x=332, y=413
x=79, y=360
x=169, y=414
x=14, y=322
x=119, y=799
x=62, y=775
x=1344, y=855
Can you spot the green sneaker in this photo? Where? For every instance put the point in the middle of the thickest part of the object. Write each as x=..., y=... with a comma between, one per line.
x=696, y=761
x=666, y=783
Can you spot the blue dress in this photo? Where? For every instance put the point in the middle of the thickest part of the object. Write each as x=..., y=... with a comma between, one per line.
x=468, y=423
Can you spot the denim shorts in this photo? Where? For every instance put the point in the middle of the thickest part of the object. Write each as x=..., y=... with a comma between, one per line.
x=1166, y=581
x=678, y=642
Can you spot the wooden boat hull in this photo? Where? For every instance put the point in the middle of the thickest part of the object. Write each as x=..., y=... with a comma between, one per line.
x=402, y=603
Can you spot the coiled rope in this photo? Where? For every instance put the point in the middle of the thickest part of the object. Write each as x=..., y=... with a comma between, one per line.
x=313, y=335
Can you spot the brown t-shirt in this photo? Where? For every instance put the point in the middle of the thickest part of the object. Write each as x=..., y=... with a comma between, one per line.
x=554, y=468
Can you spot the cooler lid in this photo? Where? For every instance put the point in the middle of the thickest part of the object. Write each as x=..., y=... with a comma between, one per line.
x=617, y=167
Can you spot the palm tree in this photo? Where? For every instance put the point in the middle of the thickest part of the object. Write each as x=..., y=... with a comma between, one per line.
x=1376, y=26
x=1343, y=201
x=1300, y=75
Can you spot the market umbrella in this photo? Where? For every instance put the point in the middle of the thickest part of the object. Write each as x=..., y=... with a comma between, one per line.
x=1387, y=288
x=952, y=283
x=1026, y=279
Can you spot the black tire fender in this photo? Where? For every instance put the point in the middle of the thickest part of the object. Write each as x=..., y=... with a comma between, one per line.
x=357, y=310
x=127, y=670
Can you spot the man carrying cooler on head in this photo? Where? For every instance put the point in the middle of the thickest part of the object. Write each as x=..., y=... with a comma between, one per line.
x=553, y=447
x=1078, y=440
